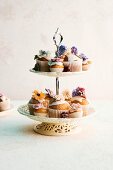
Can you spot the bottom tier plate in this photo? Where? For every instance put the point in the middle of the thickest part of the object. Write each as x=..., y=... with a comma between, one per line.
x=55, y=126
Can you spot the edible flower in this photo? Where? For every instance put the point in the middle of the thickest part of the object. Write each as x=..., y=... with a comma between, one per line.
x=37, y=95
x=79, y=91
x=67, y=94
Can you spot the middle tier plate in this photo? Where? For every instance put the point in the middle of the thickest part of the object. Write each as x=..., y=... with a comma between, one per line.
x=58, y=74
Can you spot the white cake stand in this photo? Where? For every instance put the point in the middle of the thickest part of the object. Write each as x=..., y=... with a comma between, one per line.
x=55, y=126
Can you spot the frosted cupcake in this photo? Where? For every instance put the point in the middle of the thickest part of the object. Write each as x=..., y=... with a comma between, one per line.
x=75, y=111
x=85, y=62
x=56, y=65
x=71, y=62
x=37, y=104
x=78, y=96
x=42, y=61
x=4, y=103
x=57, y=106
x=67, y=95
x=75, y=61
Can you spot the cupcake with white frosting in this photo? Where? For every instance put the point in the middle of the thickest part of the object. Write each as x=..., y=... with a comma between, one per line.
x=85, y=62
x=4, y=103
x=56, y=65
x=57, y=106
x=78, y=96
x=75, y=111
x=42, y=61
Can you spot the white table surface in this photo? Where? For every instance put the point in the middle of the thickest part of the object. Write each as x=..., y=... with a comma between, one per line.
x=91, y=149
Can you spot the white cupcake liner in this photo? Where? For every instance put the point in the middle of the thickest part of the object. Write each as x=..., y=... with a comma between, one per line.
x=76, y=66
x=5, y=105
x=85, y=67
x=56, y=69
x=44, y=67
x=85, y=109
x=41, y=114
x=56, y=113
x=76, y=114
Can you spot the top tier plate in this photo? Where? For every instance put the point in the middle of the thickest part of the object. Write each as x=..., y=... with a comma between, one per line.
x=60, y=74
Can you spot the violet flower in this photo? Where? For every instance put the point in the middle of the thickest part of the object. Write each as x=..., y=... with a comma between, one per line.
x=74, y=50
x=61, y=50
x=83, y=57
x=79, y=91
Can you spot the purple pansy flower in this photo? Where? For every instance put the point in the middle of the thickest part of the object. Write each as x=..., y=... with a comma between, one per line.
x=64, y=115
x=79, y=91
x=83, y=57
x=74, y=50
x=61, y=50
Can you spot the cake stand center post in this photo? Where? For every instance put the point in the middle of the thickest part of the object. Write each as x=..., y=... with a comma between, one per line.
x=57, y=85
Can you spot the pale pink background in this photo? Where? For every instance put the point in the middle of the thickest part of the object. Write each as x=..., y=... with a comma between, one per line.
x=27, y=26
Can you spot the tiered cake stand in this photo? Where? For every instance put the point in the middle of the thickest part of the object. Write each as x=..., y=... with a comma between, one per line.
x=56, y=126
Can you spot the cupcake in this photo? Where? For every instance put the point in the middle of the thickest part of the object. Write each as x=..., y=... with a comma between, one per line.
x=56, y=65
x=4, y=103
x=85, y=62
x=72, y=63
x=75, y=61
x=37, y=104
x=78, y=96
x=42, y=61
x=57, y=106
x=75, y=111
x=67, y=95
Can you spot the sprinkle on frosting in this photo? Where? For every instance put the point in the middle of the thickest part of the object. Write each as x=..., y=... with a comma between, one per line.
x=67, y=94
x=79, y=91
x=37, y=95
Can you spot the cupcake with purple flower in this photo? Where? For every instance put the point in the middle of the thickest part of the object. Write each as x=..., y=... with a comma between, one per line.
x=85, y=62
x=4, y=103
x=75, y=61
x=56, y=65
x=79, y=96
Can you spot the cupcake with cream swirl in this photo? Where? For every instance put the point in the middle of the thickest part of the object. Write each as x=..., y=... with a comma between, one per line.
x=57, y=106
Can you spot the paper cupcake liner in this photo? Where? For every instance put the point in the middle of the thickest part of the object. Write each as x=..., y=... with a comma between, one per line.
x=56, y=69
x=56, y=113
x=85, y=67
x=41, y=114
x=44, y=67
x=76, y=114
x=5, y=105
x=76, y=66
x=85, y=109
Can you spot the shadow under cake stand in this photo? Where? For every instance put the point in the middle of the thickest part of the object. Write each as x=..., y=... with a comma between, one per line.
x=56, y=126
